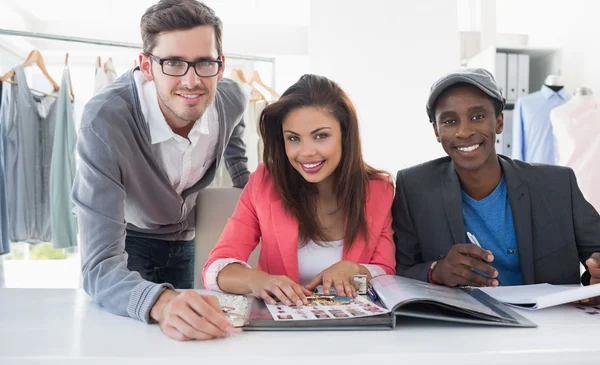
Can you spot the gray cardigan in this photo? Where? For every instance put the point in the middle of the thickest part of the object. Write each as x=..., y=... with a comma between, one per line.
x=120, y=189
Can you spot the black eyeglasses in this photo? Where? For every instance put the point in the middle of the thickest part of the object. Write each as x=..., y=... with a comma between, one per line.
x=174, y=67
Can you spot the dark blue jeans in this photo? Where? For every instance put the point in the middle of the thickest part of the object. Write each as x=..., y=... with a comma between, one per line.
x=162, y=261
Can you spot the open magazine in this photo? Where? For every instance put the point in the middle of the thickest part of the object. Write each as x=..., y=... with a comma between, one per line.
x=396, y=296
x=327, y=307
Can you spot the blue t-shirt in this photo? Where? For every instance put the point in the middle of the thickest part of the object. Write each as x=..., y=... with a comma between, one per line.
x=490, y=220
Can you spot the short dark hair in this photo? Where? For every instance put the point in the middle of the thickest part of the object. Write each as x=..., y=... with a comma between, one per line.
x=170, y=15
x=498, y=105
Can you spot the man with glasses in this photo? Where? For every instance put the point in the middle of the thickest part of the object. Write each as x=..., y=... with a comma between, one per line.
x=148, y=144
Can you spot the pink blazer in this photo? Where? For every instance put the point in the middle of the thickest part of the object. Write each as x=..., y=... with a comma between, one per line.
x=260, y=214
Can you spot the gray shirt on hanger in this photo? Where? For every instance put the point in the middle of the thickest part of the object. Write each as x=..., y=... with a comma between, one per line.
x=30, y=137
x=120, y=189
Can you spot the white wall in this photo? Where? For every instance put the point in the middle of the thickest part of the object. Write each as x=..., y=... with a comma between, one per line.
x=570, y=25
x=386, y=55
x=269, y=28
x=258, y=27
x=289, y=69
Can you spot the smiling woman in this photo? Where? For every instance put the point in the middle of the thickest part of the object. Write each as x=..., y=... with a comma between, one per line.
x=313, y=144
x=322, y=213
x=313, y=150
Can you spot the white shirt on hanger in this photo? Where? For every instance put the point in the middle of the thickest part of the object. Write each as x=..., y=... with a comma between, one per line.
x=185, y=161
x=110, y=71
x=251, y=137
x=102, y=77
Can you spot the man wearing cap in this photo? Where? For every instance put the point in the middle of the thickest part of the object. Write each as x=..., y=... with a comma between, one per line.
x=531, y=221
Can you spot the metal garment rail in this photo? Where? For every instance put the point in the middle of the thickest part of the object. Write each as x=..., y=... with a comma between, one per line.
x=102, y=42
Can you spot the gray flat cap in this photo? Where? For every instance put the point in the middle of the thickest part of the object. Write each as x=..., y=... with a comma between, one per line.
x=479, y=77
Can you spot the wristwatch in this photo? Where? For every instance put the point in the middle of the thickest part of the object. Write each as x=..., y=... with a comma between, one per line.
x=430, y=272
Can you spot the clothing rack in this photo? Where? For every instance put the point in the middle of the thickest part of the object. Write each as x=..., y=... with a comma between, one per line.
x=102, y=42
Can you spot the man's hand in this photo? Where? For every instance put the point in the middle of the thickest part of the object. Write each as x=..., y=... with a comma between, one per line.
x=340, y=276
x=458, y=268
x=593, y=266
x=190, y=316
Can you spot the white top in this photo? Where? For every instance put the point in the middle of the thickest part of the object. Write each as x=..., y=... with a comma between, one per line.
x=110, y=71
x=312, y=258
x=576, y=127
x=185, y=161
x=104, y=76
x=64, y=326
x=251, y=137
x=100, y=80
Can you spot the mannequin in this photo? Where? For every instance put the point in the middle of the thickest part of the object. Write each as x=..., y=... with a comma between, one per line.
x=583, y=91
x=533, y=140
x=554, y=82
x=575, y=126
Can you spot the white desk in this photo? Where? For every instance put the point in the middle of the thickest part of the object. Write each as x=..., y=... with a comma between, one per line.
x=63, y=326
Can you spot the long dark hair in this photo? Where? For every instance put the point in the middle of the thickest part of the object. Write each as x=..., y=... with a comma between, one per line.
x=351, y=176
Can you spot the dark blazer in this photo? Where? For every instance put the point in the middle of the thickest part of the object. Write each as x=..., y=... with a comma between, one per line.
x=556, y=227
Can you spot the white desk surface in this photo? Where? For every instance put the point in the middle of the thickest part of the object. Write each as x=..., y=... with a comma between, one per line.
x=63, y=326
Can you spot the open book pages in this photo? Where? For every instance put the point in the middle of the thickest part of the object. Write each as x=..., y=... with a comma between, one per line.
x=394, y=291
x=414, y=298
x=397, y=297
x=541, y=296
x=334, y=308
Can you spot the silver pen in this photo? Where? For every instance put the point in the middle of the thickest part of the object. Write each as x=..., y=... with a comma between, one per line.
x=473, y=239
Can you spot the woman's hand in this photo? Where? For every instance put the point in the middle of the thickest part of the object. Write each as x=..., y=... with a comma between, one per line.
x=340, y=276
x=267, y=286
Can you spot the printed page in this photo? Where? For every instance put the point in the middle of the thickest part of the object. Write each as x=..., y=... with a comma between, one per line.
x=396, y=290
x=540, y=296
x=339, y=308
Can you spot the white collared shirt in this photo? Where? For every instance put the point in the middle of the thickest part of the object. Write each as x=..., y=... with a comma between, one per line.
x=185, y=161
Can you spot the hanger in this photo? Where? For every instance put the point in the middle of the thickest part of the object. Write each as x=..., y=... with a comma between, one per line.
x=32, y=89
x=238, y=75
x=34, y=58
x=7, y=76
x=72, y=95
x=256, y=78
